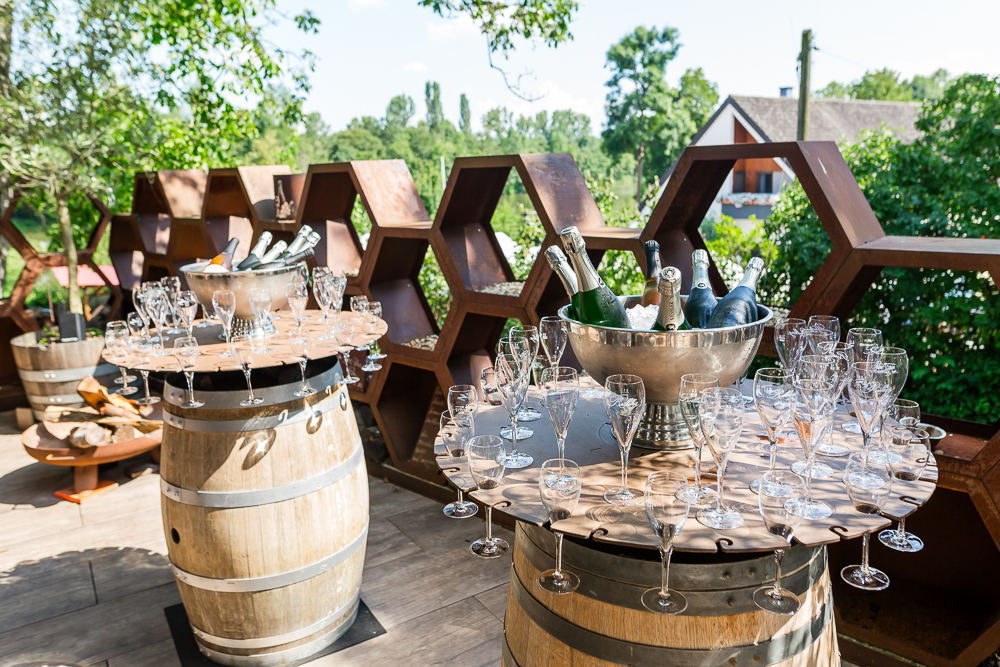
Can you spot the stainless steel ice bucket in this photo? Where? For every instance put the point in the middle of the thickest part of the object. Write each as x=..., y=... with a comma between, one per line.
x=660, y=359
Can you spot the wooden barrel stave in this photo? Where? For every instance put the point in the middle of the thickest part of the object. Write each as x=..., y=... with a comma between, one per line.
x=50, y=375
x=721, y=625
x=266, y=529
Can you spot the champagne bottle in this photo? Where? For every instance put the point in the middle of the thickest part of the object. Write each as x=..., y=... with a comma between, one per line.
x=597, y=305
x=223, y=262
x=300, y=241
x=291, y=259
x=560, y=265
x=702, y=302
x=256, y=252
x=276, y=251
x=650, y=294
x=740, y=305
x=671, y=315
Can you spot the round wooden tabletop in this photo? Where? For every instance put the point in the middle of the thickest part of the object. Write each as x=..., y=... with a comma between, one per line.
x=592, y=446
x=281, y=352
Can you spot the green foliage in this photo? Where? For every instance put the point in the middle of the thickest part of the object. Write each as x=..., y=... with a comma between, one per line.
x=732, y=246
x=464, y=115
x=432, y=99
x=501, y=22
x=944, y=186
x=619, y=269
x=885, y=84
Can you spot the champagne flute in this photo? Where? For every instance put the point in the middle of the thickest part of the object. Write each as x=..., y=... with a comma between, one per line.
x=171, y=286
x=689, y=396
x=841, y=357
x=463, y=398
x=520, y=348
x=625, y=402
x=863, y=341
x=817, y=367
x=512, y=383
x=812, y=413
x=487, y=381
x=777, y=488
x=909, y=452
x=300, y=342
x=359, y=308
x=787, y=340
x=156, y=303
x=868, y=486
x=224, y=304
x=487, y=458
x=375, y=310
x=561, y=393
x=553, y=336
x=343, y=335
x=666, y=509
x=722, y=416
x=243, y=352
x=260, y=304
x=298, y=296
x=456, y=430
x=532, y=340
x=322, y=291
x=137, y=301
x=897, y=363
x=869, y=386
x=187, y=308
x=559, y=486
x=338, y=284
x=116, y=335
x=186, y=352
x=371, y=324
x=828, y=322
x=140, y=346
x=774, y=395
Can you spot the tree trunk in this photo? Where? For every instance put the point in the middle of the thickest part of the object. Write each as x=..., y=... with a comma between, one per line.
x=66, y=227
x=6, y=189
x=638, y=173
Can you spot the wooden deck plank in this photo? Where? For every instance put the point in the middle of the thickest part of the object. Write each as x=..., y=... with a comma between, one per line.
x=495, y=600
x=38, y=590
x=160, y=654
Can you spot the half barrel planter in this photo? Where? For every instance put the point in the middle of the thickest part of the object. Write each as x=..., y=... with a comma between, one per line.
x=265, y=510
x=604, y=623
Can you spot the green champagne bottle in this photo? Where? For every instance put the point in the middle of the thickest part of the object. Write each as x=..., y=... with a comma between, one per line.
x=651, y=292
x=560, y=266
x=740, y=305
x=670, y=316
x=702, y=302
x=597, y=305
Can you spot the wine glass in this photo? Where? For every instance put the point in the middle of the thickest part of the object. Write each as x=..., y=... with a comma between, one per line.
x=561, y=393
x=371, y=325
x=140, y=346
x=137, y=302
x=512, y=383
x=532, y=340
x=813, y=337
x=868, y=486
x=722, y=416
x=456, y=429
x=828, y=322
x=812, y=413
x=343, y=335
x=904, y=412
x=520, y=348
x=666, y=509
x=841, y=357
x=487, y=382
x=869, y=386
x=186, y=352
x=689, y=396
x=487, y=459
x=260, y=304
x=224, y=305
x=375, y=311
x=787, y=340
x=817, y=367
x=297, y=294
x=776, y=489
x=463, y=398
x=116, y=335
x=553, y=336
x=323, y=291
x=157, y=305
x=559, y=486
x=863, y=341
x=774, y=395
x=338, y=284
x=909, y=452
x=171, y=286
x=625, y=402
x=300, y=342
x=187, y=308
x=896, y=361
x=243, y=348
x=359, y=308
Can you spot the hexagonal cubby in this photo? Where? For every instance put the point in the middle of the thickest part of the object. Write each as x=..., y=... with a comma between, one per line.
x=470, y=341
x=238, y=201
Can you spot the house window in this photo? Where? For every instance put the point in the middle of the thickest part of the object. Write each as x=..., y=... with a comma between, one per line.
x=739, y=181
x=765, y=181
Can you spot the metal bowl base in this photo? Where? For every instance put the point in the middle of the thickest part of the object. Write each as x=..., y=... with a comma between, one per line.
x=663, y=428
x=251, y=328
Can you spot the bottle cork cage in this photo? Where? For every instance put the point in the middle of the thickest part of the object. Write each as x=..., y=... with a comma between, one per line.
x=407, y=396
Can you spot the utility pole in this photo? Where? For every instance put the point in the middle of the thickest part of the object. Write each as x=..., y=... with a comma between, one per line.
x=804, y=60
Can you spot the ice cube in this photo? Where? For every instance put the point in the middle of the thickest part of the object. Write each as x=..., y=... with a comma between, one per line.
x=641, y=318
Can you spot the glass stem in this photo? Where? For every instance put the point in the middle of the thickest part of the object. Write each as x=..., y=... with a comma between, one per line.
x=558, y=573
x=513, y=433
x=697, y=466
x=460, y=499
x=809, y=468
x=624, y=453
x=347, y=371
x=561, y=447
x=124, y=376
x=864, y=557
x=666, y=551
x=489, y=523
x=249, y=386
x=901, y=530
x=865, y=440
x=720, y=473
x=778, y=553
x=773, y=447
x=145, y=381
x=189, y=375
x=302, y=366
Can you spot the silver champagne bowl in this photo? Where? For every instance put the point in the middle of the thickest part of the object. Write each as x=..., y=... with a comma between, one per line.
x=275, y=280
x=660, y=359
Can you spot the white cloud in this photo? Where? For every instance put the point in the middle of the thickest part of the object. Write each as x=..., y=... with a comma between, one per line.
x=415, y=66
x=446, y=29
x=365, y=4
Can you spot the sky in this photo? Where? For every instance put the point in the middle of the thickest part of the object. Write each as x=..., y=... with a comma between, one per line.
x=368, y=51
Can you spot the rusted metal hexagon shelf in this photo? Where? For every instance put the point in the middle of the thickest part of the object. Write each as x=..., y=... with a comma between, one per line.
x=238, y=203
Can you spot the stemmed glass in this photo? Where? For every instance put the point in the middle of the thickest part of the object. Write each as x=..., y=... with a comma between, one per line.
x=911, y=447
x=456, y=430
x=300, y=342
x=778, y=487
x=560, y=395
x=138, y=295
x=338, y=284
x=553, y=336
x=157, y=304
x=689, y=395
x=186, y=352
x=828, y=322
x=140, y=345
x=343, y=335
x=243, y=351
x=359, y=307
x=787, y=340
x=868, y=486
x=297, y=294
x=463, y=398
x=559, y=486
x=869, y=387
x=813, y=337
x=224, y=304
x=817, y=367
x=666, y=509
x=521, y=349
x=841, y=357
x=774, y=395
x=531, y=339
x=487, y=462
x=116, y=340
x=894, y=360
x=864, y=342
x=625, y=401
x=171, y=286
x=722, y=416
x=813, y=415
x=371, y=324
x=187, y=308
x=511, y=377
x=323, y=291
x=375, y=312
x=487, y=381
x=260, y=304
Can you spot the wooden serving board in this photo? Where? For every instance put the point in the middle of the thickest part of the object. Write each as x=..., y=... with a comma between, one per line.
x=212, y=347
x=591, y=445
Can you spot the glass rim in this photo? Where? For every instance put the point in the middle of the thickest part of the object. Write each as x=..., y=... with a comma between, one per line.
x=623, y=378
x=671, y=475
x=566, y=463
x=864, y=331
x=787, y=320
x=775, y=371
x=707, y=378
x=824, y=318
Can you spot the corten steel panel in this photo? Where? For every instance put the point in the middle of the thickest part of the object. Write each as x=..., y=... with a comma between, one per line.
x=154, y=228
x=290, y=188
x=389, y=193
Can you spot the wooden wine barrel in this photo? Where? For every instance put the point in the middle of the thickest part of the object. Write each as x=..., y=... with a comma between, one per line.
x=51, y=373
x=265, y=511
x=604, y=622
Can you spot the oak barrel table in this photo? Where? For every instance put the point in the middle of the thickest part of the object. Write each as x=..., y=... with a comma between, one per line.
x=614, y=552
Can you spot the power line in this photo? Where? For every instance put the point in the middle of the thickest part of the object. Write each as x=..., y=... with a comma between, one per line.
x=846, y=60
